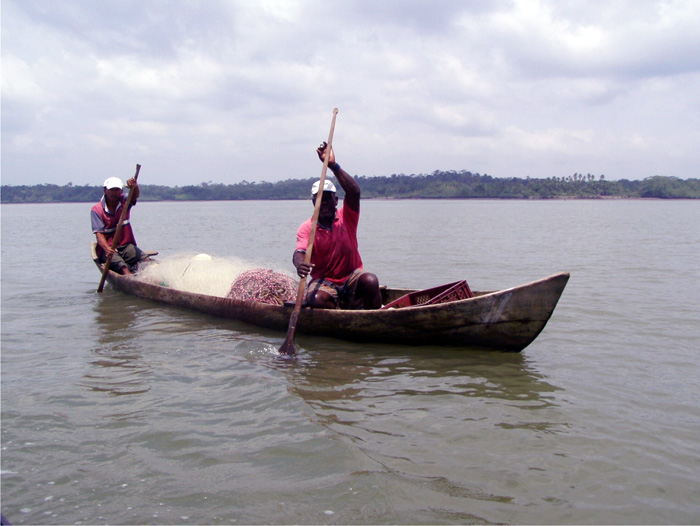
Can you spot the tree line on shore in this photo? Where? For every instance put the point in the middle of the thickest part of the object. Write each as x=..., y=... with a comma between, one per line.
x=438, y=185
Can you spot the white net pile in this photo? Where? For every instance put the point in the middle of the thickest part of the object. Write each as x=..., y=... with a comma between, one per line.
x=202, y=273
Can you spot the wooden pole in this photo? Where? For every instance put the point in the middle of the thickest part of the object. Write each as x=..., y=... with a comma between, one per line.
x=288, y=347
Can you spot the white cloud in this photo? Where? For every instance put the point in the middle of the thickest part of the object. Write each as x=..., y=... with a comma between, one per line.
x=226, y=91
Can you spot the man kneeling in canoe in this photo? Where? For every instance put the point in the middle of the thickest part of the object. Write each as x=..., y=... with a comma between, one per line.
x=337, y=277
x=105, y=216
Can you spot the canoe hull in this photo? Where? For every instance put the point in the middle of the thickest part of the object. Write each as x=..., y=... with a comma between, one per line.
x=507, y=320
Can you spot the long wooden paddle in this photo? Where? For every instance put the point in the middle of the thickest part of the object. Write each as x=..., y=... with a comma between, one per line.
x=288, y=345
x=125, y=210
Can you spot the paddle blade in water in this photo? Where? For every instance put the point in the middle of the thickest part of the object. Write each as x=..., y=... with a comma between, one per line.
x=288, y=345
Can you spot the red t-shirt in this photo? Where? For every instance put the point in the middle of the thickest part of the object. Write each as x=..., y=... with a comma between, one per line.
x=335, y=255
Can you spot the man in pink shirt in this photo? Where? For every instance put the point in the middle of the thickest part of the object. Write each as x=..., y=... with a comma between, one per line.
x=338, y=279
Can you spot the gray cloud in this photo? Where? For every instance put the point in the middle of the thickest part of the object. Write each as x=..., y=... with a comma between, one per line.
x=227, y=91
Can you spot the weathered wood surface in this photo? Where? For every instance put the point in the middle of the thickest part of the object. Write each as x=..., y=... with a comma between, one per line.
x=507, y=320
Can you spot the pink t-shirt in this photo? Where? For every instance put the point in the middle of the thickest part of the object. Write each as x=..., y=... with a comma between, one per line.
x=335, y=255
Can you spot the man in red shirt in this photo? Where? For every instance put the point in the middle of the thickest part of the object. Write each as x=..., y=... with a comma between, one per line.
x=338, y=279
x=105, y=216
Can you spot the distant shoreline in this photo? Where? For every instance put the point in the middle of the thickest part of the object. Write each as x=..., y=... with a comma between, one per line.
x=438, y=185
x=555, y=198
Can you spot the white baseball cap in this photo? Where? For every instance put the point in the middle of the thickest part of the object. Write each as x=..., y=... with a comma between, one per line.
x=327, y=187
x=113, y=182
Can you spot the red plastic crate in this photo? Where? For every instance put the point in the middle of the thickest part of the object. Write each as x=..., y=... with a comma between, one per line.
x=459, y=290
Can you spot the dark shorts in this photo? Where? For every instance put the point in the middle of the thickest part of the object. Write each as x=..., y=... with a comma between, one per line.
x=125, y=256
x=343, y=295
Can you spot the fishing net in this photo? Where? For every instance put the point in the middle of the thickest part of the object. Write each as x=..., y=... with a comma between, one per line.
x=265, y=286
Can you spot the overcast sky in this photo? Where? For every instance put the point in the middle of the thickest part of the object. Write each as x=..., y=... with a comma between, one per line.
x=228, y=90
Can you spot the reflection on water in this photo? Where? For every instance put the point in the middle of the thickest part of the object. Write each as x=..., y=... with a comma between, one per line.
x=118, y=365
x=422, y=417
x=353, y=384
x=371, y=371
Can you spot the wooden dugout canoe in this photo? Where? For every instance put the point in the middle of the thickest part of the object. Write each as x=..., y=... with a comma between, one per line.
x=506, y=320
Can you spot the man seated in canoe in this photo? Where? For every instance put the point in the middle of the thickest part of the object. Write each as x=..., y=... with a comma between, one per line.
x=338, y=279
x=105, y=217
